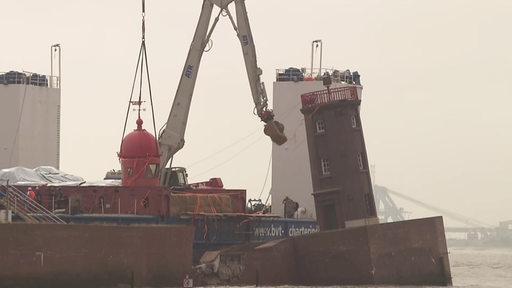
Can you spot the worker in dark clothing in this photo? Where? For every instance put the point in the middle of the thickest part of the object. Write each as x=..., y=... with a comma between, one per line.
x=290, y=207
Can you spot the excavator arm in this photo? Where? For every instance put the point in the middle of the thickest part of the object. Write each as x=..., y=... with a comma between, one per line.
x=273, y=128
x=171, y=137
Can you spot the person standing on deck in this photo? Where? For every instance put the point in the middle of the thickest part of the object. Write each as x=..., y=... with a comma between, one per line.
x=31, y=194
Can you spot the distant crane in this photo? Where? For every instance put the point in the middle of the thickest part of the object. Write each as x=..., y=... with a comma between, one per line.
x=390, y=211
x=387, y=210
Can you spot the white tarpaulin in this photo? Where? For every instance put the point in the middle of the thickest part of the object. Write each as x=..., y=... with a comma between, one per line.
x=43, y=175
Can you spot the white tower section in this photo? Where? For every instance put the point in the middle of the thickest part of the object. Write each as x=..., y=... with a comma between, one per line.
x=29, y=122
x=291, y=174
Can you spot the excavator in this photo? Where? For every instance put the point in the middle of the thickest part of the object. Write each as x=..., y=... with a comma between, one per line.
x=171, y=136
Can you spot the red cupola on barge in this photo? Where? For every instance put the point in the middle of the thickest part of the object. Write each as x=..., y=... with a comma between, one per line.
x=140, y=158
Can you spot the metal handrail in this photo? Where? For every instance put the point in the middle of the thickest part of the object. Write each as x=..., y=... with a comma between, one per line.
x=338, y=76
x=29, y=78
x=28, y=209
x=328, y=95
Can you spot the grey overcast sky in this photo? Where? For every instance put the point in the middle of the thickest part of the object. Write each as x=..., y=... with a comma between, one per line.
x=436, y=76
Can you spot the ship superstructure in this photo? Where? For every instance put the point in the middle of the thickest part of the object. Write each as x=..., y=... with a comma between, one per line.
x=29, y=120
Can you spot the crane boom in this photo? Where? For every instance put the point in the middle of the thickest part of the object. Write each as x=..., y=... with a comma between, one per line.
x=249, y=51
x=461, y=218
x=171, y=138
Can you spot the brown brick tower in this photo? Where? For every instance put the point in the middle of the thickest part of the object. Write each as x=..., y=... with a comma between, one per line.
x=342, y=187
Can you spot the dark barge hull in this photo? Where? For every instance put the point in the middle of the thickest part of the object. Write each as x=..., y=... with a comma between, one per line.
x=53, y=255
x=410, y=252
x=226, y=226
x=211, y=231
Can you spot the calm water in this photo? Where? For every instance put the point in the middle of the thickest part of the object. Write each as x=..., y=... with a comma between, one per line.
x=481, y=267
x=474, y=267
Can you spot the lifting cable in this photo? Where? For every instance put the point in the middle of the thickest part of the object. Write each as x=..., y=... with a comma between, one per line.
x=216, y=153
x=230, y=158
x=141, y=63
x=266, y=177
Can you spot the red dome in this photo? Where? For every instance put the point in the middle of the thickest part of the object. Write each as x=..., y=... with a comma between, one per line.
x=139, y=143
x=139, y=158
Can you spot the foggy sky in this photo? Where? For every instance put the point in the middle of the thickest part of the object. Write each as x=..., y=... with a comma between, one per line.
x=436, y=98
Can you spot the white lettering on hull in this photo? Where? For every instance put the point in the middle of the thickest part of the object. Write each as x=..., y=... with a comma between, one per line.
x=279, y=231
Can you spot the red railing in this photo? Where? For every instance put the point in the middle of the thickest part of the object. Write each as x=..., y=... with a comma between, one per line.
x=328, y=95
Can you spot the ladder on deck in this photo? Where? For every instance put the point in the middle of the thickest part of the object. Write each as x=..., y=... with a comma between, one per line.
x=27, y=209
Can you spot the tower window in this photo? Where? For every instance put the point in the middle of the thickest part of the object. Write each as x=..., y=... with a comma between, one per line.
x=325, y=167
x=360, y=161
x=354, y=121
x=320, y=126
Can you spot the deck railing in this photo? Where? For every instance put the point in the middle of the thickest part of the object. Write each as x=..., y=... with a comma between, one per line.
x=29, y=210
x=329, y=95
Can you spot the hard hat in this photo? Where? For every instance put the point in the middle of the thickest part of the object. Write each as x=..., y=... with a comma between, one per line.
x=29, y=188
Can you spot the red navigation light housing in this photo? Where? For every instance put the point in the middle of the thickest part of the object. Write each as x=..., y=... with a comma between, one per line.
x=140, y=158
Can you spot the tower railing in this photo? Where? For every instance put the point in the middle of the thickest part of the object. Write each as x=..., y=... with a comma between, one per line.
x=329, y=95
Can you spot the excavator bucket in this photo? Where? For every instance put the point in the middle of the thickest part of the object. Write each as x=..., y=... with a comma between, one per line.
x=275, y=130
